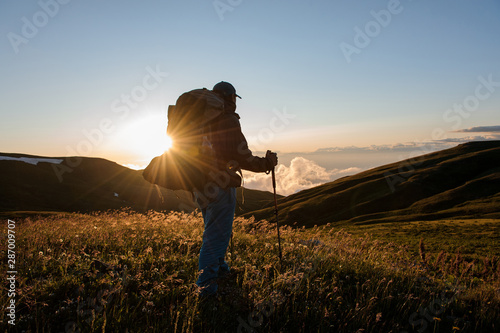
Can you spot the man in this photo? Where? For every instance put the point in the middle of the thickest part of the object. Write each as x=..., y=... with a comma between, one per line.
x=231, y=155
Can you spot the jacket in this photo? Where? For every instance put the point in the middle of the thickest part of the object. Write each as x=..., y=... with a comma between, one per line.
x=231, y=151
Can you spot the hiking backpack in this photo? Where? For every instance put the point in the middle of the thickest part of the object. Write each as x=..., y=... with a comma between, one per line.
x=186, y=165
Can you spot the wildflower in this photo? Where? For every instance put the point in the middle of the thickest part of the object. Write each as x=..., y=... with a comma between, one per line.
x=421, y=249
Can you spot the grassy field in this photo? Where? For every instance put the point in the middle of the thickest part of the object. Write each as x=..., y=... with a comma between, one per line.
x=473, y=239
x=127, y=272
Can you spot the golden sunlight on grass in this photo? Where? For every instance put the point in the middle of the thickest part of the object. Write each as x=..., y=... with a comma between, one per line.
x=121, y=270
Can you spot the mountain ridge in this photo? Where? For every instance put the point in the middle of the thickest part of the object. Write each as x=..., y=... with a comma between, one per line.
x=83, y=184
x=460, y=181
x=463, y=181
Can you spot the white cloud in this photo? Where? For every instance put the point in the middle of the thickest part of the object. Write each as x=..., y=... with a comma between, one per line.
x=301, y=174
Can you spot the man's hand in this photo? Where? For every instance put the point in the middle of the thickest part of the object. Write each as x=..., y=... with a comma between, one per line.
x=272, y=158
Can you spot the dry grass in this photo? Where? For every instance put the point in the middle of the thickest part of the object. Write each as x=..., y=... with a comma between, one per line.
x=123, y=271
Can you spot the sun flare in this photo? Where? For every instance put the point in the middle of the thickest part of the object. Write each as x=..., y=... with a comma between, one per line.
x=168, y=142
x=144, y=138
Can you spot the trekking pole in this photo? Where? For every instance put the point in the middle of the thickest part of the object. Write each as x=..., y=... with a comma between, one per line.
x=276, y=213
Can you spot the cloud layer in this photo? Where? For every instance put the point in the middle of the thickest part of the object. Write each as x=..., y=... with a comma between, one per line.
x=481, y=129
x=301, y=174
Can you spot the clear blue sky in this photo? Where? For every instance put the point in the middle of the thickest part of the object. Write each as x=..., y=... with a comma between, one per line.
x=66, y=67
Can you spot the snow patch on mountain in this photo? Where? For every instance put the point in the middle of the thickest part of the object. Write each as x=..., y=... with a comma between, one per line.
x=31, y=160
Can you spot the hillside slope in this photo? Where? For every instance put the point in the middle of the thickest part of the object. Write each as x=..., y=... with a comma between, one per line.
x=461, y=181
x=34, y=183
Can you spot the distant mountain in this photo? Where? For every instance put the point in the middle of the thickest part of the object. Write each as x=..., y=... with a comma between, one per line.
x=36, y=183
x=463, y=181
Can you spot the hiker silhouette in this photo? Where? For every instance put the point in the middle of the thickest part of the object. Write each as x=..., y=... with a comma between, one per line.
x=218, y=207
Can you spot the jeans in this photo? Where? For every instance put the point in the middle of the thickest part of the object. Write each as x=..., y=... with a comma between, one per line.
x=218, y=218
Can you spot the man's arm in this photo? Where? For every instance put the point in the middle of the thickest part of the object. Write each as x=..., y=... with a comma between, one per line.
x=235, y=147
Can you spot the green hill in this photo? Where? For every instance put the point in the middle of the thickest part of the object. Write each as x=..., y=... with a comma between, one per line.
x=463, y=181
x=90, y=184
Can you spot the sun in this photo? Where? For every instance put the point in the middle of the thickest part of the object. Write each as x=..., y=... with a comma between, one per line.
x=168, y=142
x=143, y=137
